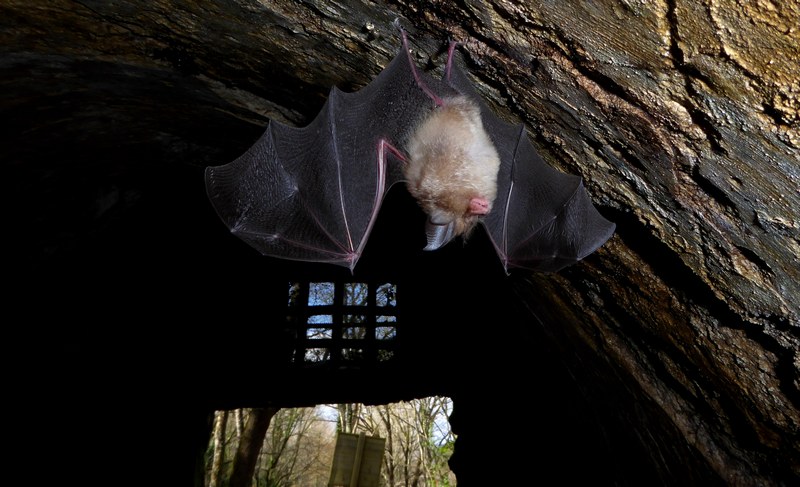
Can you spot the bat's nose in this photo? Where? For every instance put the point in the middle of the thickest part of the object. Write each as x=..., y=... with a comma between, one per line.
x=438, y=234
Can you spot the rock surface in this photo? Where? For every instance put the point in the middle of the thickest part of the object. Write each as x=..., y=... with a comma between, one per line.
x=683, y=118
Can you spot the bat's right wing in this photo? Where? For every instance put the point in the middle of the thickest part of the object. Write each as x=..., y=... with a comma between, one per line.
x=313, y=193
x=542, y=219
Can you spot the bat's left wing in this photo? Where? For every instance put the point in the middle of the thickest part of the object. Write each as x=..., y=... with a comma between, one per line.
x=542, y=219
x=313, y=193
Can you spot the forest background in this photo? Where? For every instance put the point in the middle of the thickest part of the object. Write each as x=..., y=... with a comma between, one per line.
x=293, y=447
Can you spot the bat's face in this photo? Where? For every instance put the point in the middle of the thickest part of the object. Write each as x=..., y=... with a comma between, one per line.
x=443, y=225
x=453, y=208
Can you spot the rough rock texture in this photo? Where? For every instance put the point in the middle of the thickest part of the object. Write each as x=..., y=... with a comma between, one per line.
x=682, y=117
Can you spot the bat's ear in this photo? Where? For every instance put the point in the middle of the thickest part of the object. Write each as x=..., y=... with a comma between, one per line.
x=438, y=234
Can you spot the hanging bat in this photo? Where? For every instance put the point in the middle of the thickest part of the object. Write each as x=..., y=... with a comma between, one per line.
x=314, y=193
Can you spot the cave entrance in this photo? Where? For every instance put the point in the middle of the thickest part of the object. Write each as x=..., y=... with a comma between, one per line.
x=298, y=446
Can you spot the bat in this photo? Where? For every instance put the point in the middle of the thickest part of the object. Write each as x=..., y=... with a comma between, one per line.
x=314, y=193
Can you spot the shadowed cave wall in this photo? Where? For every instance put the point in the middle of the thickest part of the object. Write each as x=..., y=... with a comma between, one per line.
x=670, y=356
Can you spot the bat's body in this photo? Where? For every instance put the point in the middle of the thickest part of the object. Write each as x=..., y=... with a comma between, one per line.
x=314, y=193
x=452, y=169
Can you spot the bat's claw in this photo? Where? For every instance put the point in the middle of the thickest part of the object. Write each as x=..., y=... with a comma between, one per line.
x=438, y=234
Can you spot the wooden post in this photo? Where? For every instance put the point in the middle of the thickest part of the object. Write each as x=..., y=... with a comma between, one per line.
x=357, y=460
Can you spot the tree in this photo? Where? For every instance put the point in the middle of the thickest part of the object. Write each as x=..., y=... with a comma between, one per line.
x=295, y=449
x=244, y=463
x=350, y=417
x=218, y=446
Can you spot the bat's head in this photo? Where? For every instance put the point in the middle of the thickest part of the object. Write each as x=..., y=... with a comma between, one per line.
x=452, y=211
x=452, y=170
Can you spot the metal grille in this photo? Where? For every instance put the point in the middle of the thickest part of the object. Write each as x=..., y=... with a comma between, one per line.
x=343, y=323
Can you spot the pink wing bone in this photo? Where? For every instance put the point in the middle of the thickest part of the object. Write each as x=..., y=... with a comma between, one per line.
x=385, y=147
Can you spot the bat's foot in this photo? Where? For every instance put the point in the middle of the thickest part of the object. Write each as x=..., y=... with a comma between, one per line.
x=450, y=52
x=436, y=99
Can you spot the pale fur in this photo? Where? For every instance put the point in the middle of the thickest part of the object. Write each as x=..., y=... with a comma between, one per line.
x=452, y=160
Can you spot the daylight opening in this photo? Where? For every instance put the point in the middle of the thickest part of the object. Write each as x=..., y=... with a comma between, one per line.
x=343, y=323
x=403, y=443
